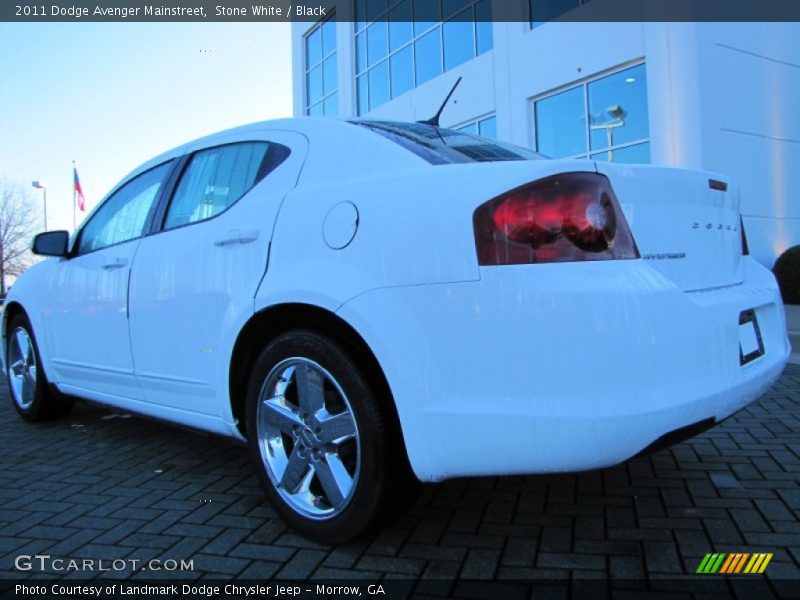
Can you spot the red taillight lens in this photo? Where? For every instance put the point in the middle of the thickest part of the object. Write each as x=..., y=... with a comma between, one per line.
x=563, y=218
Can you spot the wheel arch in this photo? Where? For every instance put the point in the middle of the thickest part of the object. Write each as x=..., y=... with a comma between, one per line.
x=275, y=320
x=10, y=310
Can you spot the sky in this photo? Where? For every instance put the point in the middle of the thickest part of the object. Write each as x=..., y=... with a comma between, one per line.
x=113, y=95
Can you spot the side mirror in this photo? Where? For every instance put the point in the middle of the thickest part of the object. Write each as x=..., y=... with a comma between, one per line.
x=51, y=243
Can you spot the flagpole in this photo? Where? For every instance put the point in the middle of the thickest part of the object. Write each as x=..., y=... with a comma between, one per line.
x=73, y=198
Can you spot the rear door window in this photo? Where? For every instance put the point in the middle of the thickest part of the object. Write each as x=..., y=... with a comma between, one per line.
x=215, y=178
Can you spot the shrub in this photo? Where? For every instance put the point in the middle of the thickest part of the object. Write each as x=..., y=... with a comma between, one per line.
x=787, y=272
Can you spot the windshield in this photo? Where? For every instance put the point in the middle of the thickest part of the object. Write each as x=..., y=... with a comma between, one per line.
x=440, y=146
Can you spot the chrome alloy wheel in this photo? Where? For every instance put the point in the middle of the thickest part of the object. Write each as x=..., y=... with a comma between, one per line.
x=308, y=438
x=22, y=368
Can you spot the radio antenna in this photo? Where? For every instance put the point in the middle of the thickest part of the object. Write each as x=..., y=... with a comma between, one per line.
x=434, y=121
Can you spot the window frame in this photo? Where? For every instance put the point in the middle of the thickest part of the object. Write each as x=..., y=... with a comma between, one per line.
x=360, y=29
x=584, y=85
x=151, y=215
x=308, y=67
x=160, y=217
x=477, y=122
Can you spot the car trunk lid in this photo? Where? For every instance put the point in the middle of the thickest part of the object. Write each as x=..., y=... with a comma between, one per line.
x=686, y=223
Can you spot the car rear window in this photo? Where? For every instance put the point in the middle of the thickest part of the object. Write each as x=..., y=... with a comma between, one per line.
x=441, y=146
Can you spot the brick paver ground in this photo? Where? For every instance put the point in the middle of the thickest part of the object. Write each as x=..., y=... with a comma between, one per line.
x=99, y=484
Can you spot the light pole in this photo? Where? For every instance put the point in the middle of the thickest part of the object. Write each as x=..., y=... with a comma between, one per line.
x=617, y=114
x=40, y=185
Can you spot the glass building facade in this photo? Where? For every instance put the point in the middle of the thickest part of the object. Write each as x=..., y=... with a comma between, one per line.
x=604, y=119
x=321, y=74
x=400, y=45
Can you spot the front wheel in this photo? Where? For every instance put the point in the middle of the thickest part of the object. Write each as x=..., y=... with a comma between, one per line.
x=26, y=378
x=329, y=460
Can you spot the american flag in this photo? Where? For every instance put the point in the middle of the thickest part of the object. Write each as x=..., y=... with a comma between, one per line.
x=77, y=191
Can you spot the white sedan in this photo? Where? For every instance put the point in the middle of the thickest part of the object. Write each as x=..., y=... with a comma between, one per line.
x=369, y=304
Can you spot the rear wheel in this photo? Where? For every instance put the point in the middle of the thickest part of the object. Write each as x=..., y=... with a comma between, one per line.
x=27, y=382
x=329, y=459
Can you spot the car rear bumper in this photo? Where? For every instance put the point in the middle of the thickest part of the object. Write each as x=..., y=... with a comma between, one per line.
x=563, y=367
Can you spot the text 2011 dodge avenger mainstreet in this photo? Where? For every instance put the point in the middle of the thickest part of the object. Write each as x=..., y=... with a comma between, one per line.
x=369, y=303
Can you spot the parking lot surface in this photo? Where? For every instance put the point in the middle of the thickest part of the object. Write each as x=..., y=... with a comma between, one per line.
x=104, y=485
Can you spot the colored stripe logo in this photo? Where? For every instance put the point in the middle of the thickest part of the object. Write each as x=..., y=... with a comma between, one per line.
x=734, y=563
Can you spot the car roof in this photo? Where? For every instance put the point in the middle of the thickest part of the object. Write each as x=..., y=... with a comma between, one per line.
x=326, y=136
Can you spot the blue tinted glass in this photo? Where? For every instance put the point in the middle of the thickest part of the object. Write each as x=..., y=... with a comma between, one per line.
x=362, y=86
x=483, y=26
x=450, y=7
x=426, y=14
x=400, y=33
x=328, y=37
x=488, y=128
x=314, y=84
x=123, y=216
x=428, y=57
x=361, y=52
x=314, y=48
x=400, y=28
x=472, y=128
x=378, y=42
x=402, y=71
x=329, y=73
x=214, y=179
x=360, y=13
x=379, y=85
x=458, y=43
x=332, y=105
x=375, y=8
x=618, y=108
x=317, y=110
x=638, y=154
x=561, y=124
x=547, y=10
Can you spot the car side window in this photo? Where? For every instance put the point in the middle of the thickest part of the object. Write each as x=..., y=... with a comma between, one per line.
x=124, y=215
x=216, y=178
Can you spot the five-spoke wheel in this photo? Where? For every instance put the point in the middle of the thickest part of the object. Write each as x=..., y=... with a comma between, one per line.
x=325, y=438
x=30, y=392
x=22, y=368
x=308, y=437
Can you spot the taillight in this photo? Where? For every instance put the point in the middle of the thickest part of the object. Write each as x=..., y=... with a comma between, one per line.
x=563, y=218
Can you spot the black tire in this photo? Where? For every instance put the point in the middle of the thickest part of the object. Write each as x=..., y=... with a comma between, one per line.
x=44, y=404
x=787, y=272
x=384, y=485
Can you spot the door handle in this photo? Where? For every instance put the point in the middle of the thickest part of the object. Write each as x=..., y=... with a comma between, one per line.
x=115, y=263
x=237, y=236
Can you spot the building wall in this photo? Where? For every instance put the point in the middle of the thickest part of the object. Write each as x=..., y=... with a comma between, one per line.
x=723, y=97
x=751, y=90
